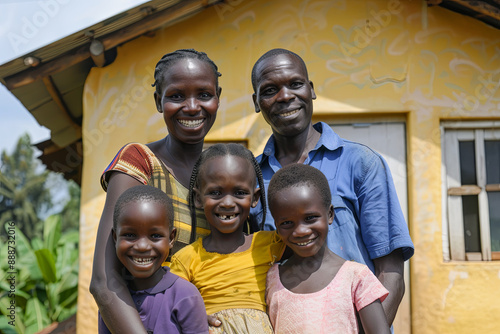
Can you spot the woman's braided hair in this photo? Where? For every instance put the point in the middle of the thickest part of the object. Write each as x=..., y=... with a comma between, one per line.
x=167, y=60
x=220, y=150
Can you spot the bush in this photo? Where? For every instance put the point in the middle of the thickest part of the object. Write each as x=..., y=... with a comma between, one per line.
x=44, y=274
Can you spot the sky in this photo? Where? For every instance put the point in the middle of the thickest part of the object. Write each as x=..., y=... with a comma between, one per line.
x=16, y=120
x=27, y=25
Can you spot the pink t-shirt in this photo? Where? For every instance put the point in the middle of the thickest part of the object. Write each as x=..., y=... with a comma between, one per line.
x=330, y=310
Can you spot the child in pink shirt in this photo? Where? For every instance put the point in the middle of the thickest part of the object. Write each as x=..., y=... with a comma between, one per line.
x=315, y=290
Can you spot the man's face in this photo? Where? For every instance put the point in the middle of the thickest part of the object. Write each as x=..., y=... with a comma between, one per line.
x=284, y=94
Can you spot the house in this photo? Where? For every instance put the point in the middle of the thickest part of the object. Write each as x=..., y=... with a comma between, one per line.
x=418, y=81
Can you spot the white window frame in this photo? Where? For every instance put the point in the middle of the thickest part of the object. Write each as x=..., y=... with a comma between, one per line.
x=453, y=226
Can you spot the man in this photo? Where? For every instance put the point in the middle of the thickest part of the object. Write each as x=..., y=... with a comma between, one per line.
x=369, y=226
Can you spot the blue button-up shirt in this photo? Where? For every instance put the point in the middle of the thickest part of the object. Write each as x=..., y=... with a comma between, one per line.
x=368, y=221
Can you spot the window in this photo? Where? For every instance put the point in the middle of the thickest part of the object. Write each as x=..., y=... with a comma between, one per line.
x=471, y=157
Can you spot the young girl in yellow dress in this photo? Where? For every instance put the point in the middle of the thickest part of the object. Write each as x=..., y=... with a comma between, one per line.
x=229, y=267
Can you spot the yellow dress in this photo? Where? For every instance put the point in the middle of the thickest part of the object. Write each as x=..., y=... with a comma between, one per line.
x=232, y=285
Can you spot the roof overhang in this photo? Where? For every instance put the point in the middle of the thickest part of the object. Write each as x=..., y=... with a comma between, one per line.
x=49, y=81
x=487, y=11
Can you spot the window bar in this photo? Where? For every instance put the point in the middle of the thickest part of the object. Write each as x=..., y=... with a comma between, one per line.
x=484, y=216
x=455, y=218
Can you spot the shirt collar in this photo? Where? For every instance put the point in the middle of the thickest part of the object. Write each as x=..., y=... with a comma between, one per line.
x=329, y=139
x=166, y=282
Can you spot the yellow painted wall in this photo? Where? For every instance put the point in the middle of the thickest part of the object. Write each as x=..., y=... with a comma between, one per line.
x=364, y=57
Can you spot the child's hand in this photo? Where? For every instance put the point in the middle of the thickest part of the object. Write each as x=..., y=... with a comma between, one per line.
x=213, y=321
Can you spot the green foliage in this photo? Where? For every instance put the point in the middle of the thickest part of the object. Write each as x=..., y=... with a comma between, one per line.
x=70, y=214
x=46, y=278
x=46, y=250
x=23, y=192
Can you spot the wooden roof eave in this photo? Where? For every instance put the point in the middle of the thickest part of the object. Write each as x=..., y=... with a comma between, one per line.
x=152, y=22
x=55, y=103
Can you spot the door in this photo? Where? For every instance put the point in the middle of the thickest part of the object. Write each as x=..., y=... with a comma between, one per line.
x=388, y=139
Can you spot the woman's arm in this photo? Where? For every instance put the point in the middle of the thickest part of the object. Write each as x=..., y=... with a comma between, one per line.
x=107, y=286
x=373, y=319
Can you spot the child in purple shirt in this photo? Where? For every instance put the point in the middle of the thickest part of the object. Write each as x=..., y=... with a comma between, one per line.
x=143, y=233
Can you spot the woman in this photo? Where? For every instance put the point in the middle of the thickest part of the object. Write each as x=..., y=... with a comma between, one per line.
x=187, y=94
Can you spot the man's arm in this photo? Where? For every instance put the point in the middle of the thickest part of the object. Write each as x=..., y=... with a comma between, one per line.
x=378, y=198
x=389, y=270
x=107, y=286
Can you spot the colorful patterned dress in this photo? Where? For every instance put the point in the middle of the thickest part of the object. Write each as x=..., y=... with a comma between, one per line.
x=139, y=162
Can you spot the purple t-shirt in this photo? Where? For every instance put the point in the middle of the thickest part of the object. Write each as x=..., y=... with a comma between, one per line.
x=174, y=305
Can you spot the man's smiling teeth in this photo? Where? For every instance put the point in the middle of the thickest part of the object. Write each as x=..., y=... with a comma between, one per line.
x=290, y=113
x=191, y=123
x=141, y=260
x=224, y=217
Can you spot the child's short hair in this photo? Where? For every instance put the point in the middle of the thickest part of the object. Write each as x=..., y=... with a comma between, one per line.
x=296, y=174
x=144, y=193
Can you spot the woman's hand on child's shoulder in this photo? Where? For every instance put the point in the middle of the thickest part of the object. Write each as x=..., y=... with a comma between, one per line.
x=213, y=321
